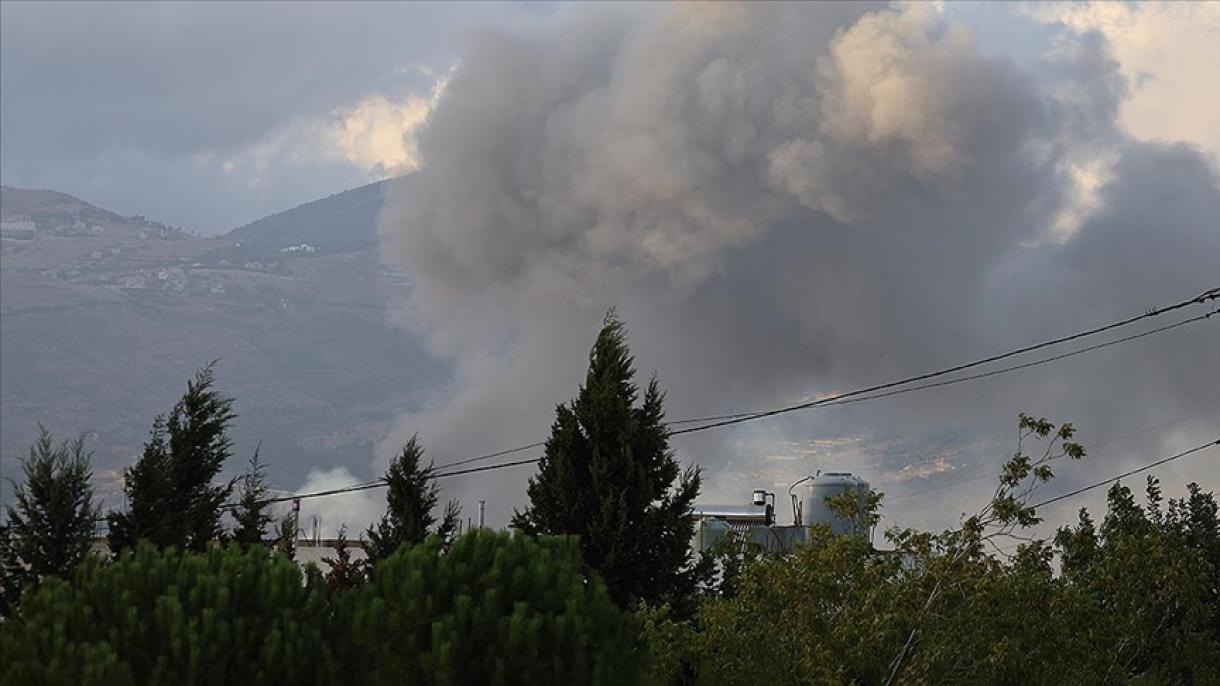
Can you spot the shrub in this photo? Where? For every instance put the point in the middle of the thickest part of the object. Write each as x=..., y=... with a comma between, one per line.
x=495, y=608
x=163, y=617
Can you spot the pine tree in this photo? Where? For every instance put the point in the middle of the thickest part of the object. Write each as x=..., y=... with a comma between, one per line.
x=172, y=499
x=609, y=477
x=286, y=534
x=410, y=500
x=14, y=576
x=345, y=573
x=251, y=513
x=51, y=527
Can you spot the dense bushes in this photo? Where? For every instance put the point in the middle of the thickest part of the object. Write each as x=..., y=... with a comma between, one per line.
x=496, y=608
x=1135, y=601
x=164, y=617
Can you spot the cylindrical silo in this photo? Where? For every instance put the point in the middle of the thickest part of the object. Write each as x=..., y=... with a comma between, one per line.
x=814, y=510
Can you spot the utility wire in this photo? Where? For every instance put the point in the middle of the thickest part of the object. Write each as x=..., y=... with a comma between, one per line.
x=1210, y=294
x=845, y=399
x=840, y=399
x=724, y=419
x=1092, y=445
x=1171, y=458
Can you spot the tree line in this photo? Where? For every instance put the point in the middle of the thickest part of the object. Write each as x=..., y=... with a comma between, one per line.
x=597, y=583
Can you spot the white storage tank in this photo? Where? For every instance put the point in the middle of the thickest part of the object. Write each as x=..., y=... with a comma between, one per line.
x=827, y=484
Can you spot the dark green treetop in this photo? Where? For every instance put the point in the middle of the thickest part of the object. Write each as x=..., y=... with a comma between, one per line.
x=50, y=526
x=609, y=477
x=251, y=513
x=171, y=494
x=410, y=500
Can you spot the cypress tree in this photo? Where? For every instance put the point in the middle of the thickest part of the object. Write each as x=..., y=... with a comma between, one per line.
x=50, y=528
x=171, y=497
x=251, y=512
x=286, y=534
x=344, y=572
x=609, y=477
x=410, y=500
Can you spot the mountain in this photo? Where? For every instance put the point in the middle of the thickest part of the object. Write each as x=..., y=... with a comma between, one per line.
x=342, y=222
x=105, y=317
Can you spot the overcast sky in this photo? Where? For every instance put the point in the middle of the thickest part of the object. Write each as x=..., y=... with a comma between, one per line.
x=803, y=199
x=210, y=115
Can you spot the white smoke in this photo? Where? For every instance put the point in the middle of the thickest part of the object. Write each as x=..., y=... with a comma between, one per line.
x=784, y=200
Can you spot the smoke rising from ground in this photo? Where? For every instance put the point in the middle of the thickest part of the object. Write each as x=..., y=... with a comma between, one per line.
x=785, y=200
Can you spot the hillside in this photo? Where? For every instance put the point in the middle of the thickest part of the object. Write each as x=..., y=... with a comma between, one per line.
x=104, y=317
x=342, y=222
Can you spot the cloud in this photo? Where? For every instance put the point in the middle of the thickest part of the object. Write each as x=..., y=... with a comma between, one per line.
x=1167, y=52
x=89, y=88
x=783, y=200
x=376, y=137
x=379, y=134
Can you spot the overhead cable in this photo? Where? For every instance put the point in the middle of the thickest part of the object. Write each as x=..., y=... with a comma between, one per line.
x=1171, y=458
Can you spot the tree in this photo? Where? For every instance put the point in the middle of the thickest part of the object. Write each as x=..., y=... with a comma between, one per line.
x=170, y=617
x=345, y=573
x=251, y=512
x=608, y=476
x=1146, y=587
x=50, y=529
x=286, y=533
x=410, y=500
x=494, y=608
x=14, y=576
x=172, y=500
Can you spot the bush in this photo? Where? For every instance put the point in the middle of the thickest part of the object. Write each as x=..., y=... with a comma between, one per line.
x=163, y=617
x=495, y=608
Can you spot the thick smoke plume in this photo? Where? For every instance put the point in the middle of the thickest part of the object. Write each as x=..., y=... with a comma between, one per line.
x=786, y=200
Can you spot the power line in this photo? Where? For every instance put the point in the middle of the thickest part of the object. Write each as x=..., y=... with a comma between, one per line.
x=726, y=419
x=844, y=398
x=1171, y=458
x=839, y=400
x=488, y=456
x=1092, y=445
x=1210, y=294
x=488, y=468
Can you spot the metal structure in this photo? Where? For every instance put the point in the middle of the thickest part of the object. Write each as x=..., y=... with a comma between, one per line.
x=755, y=523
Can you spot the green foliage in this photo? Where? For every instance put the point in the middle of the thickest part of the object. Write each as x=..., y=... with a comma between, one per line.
x=286, y=534
x=345, y=573
x=251, y=511
x=495, y=608
x=163, y=617
x=172, y=500
x=1147, y=585
x=410, y=500
x=14, y=576
x=50, y=527
x=609, y=477
x=1135, y=600
x=671, y=644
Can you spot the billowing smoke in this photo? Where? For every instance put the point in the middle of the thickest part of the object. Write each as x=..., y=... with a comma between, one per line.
x=786, y=200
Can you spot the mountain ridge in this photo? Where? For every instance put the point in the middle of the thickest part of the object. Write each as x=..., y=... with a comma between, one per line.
x=106, y=316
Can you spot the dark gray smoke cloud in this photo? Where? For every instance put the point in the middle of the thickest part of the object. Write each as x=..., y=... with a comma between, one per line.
x=786, y=200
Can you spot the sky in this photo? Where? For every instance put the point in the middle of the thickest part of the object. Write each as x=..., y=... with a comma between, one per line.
x=781, y=200
x=209, y=116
